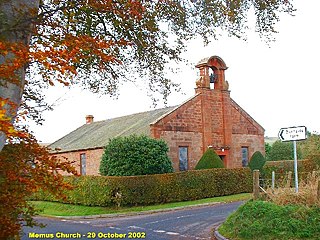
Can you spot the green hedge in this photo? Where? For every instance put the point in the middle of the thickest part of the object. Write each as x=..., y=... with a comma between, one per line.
x=316, y=159
x=283, y=166
x=154, y=189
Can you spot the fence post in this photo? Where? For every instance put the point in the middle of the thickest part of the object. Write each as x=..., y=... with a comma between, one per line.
x=289, y=179
x=318, y=191
x=256, y=186
x=273, y=180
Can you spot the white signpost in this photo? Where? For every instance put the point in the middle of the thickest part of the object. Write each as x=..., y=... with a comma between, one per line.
x=293, y=134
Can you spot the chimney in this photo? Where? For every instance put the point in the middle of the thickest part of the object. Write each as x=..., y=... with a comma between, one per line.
x=89, y=119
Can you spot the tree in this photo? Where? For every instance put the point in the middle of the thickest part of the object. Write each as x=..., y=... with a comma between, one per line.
x=282, y=151
x=267, y=147
x=209, y=159
x=310, y=146
x=135, y=155
x=257, y=161
x=99, y=43
x=25, y=168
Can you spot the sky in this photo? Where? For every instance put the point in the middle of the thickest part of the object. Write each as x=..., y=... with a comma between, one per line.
x=278, y=85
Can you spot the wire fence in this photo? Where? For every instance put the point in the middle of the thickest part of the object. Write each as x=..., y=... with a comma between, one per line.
x=262, y=184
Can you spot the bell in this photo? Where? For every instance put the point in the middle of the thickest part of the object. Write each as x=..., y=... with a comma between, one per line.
x=212, y=78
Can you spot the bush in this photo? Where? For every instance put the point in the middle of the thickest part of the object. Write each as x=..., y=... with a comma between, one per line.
x=315, y=158
x=281, y=168
x=282, y=151
x=209, y=159
x=135, y=155
x=154, y=189
x=262, y=220
x=257, y=161
x=310, y=146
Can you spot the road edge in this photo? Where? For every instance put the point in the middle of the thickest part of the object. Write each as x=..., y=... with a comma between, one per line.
x=111, y=215
x=218, y=236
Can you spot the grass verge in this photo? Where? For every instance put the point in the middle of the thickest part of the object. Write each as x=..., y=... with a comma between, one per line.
x=60, y=209
x=265, y=220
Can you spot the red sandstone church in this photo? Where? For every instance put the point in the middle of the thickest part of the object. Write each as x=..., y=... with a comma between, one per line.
x=210, y=119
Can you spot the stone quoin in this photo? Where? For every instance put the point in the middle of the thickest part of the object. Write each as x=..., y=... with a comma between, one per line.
x=210, y=119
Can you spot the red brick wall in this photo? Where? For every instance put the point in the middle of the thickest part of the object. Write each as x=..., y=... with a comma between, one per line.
x=245, y=133
x=93, y=158
x=192, y=140
x=211, y=118
x=183, y=127
x=253, y=142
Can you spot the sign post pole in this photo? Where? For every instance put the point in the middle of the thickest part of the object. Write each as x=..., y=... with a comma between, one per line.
x=294, y=134
x=296, y=183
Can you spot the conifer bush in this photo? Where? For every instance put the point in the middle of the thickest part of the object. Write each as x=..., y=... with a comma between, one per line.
x=209, y=159
x=257, y=161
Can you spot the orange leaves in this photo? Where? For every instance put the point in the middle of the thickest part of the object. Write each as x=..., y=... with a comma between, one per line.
x=62, y=46
x=6, y=123
x=25, y=167
x=73, y=50
x=15, y=57
x=125, y=8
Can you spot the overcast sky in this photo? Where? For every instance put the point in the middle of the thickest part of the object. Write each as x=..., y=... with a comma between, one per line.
x=279, y=86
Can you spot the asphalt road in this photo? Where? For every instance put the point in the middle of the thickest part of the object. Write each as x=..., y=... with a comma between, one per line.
x=190, y=223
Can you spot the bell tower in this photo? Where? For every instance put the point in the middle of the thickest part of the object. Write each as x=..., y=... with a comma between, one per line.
x=212, y=71
x=213, y=90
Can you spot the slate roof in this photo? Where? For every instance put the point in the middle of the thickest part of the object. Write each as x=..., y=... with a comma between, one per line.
x=97, y=134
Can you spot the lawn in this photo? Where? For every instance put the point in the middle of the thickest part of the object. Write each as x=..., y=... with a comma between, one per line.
x=60, y=209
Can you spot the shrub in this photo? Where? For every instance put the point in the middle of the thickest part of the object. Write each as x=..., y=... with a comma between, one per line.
x=135, y=155
x=209, y=159
x=281, y=168
x=315, y=158
x=257, y=161
x=262, y=220
x=154, y=189
x=310, y=146
x=282, y=151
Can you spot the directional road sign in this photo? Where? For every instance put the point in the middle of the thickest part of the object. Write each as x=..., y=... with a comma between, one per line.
x=293, y=133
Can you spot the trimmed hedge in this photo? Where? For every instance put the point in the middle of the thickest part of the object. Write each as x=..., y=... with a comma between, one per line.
x=316, y=159
x=284, y=166
x=154, y=189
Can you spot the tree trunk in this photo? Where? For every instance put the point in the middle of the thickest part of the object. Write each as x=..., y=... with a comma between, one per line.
x=15, y=27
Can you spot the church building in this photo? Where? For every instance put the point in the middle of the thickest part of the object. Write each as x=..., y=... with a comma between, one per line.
x=210, y=119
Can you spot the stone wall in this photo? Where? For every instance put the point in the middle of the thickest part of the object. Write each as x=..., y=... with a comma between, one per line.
x=192, y=140
x=93, y=158
x=252, y=142
x=210, y=119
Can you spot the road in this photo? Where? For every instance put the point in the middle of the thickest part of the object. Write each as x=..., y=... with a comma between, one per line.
x=190, y=223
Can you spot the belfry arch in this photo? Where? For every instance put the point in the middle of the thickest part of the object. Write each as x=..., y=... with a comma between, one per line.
x=217, y=77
